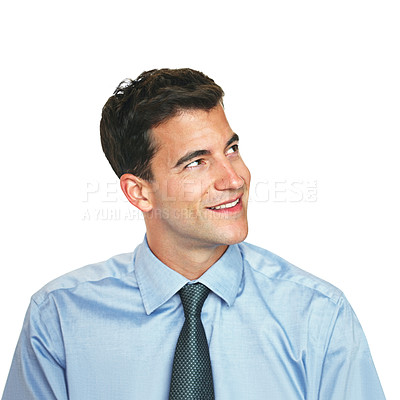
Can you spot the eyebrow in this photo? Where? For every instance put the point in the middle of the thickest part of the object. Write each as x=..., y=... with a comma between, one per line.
x=197, y=153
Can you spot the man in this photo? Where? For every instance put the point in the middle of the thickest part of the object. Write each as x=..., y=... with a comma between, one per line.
x=130, y=327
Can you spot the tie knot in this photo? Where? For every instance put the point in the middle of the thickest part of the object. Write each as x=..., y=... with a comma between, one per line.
x=193, y=297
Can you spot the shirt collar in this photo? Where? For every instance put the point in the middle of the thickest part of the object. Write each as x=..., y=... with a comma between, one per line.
x=158, y=283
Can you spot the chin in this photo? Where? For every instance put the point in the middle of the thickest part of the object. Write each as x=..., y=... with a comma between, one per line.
x=235, y=236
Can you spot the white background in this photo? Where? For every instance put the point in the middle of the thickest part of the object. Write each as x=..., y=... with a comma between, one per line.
x=312, y=88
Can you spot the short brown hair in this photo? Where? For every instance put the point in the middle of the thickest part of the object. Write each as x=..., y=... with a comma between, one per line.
x=141, y=104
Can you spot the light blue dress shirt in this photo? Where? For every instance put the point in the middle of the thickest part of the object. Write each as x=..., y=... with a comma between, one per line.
x=109, y=330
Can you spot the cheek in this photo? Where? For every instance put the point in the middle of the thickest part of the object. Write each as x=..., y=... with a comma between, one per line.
x=182, y=191
x=248, y=176
x=192, y=190
x=244, y=172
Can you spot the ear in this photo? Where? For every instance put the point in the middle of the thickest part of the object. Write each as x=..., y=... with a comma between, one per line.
x=137, y=191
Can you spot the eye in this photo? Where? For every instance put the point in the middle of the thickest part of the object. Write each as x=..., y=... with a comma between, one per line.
x=194, y=163
x=233, y=149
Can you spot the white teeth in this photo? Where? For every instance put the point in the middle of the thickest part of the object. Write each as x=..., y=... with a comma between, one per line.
x=227, y=205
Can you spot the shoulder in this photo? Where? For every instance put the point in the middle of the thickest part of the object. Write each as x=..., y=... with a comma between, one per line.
x=272, y=267
x=115, y=267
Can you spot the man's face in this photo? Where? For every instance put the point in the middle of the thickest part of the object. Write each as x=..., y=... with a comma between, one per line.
x=200, y=188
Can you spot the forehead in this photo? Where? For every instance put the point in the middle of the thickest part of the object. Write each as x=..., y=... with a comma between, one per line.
x=193, y=130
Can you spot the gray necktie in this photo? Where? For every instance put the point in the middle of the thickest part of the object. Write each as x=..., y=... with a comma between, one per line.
x=191, y=372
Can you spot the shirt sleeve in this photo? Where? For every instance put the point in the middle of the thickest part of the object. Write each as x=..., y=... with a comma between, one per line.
x=348, y=372
x=38, y=369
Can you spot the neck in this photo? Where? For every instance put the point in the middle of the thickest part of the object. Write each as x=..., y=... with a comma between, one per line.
x=189, y=261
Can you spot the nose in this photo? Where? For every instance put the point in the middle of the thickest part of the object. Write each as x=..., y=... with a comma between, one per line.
x=227, y=177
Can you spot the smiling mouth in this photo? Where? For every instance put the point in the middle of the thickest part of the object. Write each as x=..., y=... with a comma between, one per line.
x=226, y=205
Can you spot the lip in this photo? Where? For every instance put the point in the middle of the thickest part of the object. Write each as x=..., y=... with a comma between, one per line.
x=236, y=207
